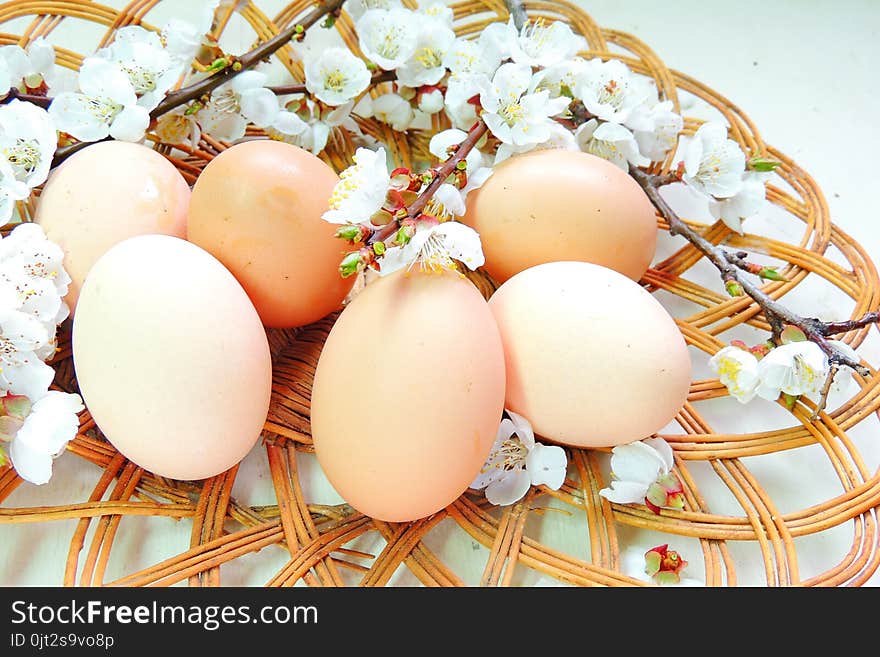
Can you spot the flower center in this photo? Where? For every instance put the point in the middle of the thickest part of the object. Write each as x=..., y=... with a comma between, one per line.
x=434, y=256
x=428, y=57
x=23, y=155
x=349, y=181
x=513, y=111
x=388, y=45
x=534, y=37
x=335, y=80
x=513, y=453
x=142, y=79
x=611, y=93
x=607, y=150
x=227, y=102
x=104, y=109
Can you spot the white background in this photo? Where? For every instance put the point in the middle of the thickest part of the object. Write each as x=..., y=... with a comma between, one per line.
x=806, y=72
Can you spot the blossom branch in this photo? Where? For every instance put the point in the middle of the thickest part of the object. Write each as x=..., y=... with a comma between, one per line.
x=246, y=61
x=727, y=263
x=300, y=87
x=36, y=99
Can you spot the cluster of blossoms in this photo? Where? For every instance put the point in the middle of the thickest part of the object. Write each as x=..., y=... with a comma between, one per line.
x=796, y=367
x=35, y=422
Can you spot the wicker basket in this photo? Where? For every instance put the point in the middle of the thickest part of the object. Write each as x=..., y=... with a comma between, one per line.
x=321, y=544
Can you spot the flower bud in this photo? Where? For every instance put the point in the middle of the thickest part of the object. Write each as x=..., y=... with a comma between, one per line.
x=405, y=233
x=734, y=289
x=407, y=93
x=792, y=334
x=431, y=102
x=351, y=233
x=351, y=264
x=762, y=164
x=379, y=248
x=771, y=274
x=664, y=565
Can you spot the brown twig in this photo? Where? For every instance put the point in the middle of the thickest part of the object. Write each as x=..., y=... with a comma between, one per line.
x=826, y=388
x=300, y=87
x=36, y=99
x=517, y=11
x=440, y=174
x=777, y=314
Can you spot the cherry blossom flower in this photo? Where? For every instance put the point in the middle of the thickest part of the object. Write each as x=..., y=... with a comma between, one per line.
x=51, y=424
x=244, y=99
x=179, y=126
x=656, y=128
x=394, y=110
x=713, y=164
x=361, y=189
x=539, y=43
x=27, y=69
x=22, y=372
x=435, y=247
x=149, y=67
x=388, y=37
x=642, y=474
x=336, y=76
x=513, y=115
x=610, y=141
x=561, y=138
x=105, y=105
x=608, y=91
x=517, y=462
x=796, y=368
x=28, y=141
x=431, y=102
x=425, y=66
x=737, y=369
x=560, y=79
x=183, y=38
x=746, y=203
x=11, y=190
x=437, y=11
x=357, y=8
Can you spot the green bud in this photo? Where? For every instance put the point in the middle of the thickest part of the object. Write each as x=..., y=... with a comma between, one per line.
x=349, y=233
x=351, y=264
x=379, y=248
x=789, y=400
x=218, y=65
x=372, y=66
x=192, y=109
x=329, y=22
x=565, y=90
x=762, y=164
x=299, y=29
x=236, y=66
x=461, y=166
x=771, y=274
x=404, y=235
x=734, y=289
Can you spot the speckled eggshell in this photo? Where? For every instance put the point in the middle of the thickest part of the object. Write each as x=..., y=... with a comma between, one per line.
x=104, y=194
x=550, y=205
x=257, y=208
x=171, y=358
x=408, y=395
x=593, y=359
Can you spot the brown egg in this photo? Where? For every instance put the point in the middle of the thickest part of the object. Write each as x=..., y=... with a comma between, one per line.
x=550, y=205
x=104, y=194
x=592, y=358
x=408, y=395
x=257, y=208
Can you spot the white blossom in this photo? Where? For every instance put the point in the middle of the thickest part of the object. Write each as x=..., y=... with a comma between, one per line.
x=737, y=369
x=394, y=110
x=746, y=203
x=437, y=11
x=357, y=8
x=610, y=141
x=244, y=99
x=656, y=128
x=22, y=371
x=28, y=141
x=539, y=43
x=105, y=105
x=608, y=90
x=183, y=39
x=28, y=68
x=11, y=190
x=425, y=66
x=336, y=76
x=714, y=164
x=51, y=424
x=361, y=189
x=636, y=467
x=179, y=126
x=513, y=115
x=436, y=246
x=431, y=102
x=796, y=368
x=388, y=37
x=310, y=126
x=517, y=462
x=560, y=79
x=561, y=138
x=149, y=67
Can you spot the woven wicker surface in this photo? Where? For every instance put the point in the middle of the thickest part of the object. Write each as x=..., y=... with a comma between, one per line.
x=319, y=543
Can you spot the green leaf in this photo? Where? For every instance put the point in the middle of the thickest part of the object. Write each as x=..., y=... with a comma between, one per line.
x=771, y=274
x=667, y=577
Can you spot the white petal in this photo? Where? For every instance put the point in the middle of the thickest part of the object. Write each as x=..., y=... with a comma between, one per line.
x=31, y=464
x=508, y=489
x=31, y=379
x=663, y=449
x=522, y=428
x=547, y=464
x=636, y=462
x=247, y=81
x=101, y=79
x=72, y=114
x=42, y=55
x=625, y=492
x=462, y=243
x=442, y=141
x=130, y=124
x=259, y=106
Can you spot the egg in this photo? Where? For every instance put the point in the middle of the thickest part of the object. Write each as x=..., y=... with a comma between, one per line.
x=257, y=207
x=104, y=194
x=592, y=358
x=550, y=205
x=408, y=395
x=171, y=358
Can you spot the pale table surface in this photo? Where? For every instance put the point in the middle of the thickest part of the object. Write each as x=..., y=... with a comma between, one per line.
x=804, y=70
